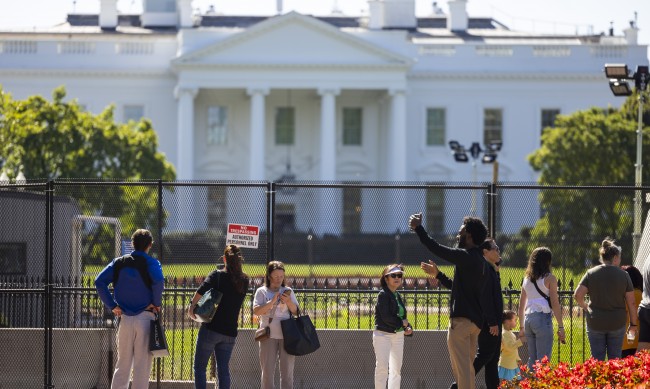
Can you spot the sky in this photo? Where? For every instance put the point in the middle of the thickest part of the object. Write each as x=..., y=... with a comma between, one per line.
x=541, y=16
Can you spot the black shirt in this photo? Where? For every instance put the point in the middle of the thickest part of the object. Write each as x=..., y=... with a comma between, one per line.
x=470, y=275
x=225, y=319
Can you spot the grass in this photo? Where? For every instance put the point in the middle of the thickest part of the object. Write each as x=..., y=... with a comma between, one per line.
x=509, y=275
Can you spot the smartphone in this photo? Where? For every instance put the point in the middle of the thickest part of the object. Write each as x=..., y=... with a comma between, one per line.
x=286, y=293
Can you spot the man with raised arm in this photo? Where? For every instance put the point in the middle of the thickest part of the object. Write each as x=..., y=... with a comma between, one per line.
x=470, y=275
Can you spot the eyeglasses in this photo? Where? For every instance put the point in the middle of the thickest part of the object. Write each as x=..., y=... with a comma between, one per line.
x=394, y=275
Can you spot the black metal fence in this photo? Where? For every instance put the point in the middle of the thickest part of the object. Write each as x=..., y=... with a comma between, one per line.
x=334, y=238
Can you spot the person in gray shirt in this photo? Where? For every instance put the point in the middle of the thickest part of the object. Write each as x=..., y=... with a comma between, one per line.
x=610, y=289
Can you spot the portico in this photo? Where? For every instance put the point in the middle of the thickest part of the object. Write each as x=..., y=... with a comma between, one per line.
x=341, y=71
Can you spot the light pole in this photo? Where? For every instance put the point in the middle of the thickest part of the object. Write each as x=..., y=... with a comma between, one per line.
x=618, y=74
x=489, y=156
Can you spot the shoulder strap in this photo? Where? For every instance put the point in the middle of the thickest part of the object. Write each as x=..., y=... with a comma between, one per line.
x=137, y=262
x=548, y=299
x=275, y=306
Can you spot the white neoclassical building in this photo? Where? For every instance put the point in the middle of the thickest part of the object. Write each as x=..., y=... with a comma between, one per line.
x=373, y=98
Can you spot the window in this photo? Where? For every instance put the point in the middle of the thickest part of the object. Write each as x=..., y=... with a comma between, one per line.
x=351, y=210
x=548, y=118
x=133, y=112
x=13, y=258
x=352, y=126
x=492, y=125
x=285, y=218
x=217, y=125
x=285, y=125
x=436, y=123
x=217, y=196
x=435, y=210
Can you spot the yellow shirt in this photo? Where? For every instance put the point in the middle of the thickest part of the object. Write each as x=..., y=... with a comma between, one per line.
x=635, y=344
x=509, y=350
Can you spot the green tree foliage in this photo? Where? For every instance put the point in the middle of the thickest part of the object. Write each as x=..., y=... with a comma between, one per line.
x=58, y=140
x=592, y=147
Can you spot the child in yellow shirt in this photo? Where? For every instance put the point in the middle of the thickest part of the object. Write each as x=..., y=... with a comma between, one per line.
x=509, y=360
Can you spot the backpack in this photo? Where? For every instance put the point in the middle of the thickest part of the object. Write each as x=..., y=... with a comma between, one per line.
x=133, y=261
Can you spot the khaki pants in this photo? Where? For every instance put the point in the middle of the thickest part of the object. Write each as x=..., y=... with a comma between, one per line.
x=462, y=340
x=270, y=351
x=133, y=352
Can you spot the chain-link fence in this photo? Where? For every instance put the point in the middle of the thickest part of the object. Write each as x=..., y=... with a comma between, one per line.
x=335, y=239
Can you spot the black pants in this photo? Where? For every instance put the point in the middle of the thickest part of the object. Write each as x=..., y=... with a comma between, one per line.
x=487, y=355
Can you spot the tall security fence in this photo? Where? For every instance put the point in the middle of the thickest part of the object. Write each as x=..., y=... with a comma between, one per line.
x=335, y=239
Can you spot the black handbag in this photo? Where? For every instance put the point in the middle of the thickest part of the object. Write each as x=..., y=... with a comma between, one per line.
x=207, y=305
x=157, y=340
x=299, y=335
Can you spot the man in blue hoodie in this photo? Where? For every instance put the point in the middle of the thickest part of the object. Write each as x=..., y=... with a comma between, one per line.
x=138, y=284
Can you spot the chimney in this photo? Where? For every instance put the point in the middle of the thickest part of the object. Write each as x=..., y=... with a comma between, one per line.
x=185, y=19
x=392, y=14
x=376, y=19
x=458, y=19
x=632, y=34
x=108, y=14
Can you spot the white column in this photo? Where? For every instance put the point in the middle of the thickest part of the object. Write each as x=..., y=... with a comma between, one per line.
x=330, y=207
x=396, y=145
x=257, y=170
x=185, y=133
x=328, y=134
x=185, y=157
x=396, y=156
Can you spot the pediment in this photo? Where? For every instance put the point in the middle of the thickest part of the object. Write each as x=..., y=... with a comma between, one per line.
x=293, y=40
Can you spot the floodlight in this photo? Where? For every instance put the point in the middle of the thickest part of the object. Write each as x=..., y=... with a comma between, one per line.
x=454, y=145
x=617, y=71
x=460, y=155
x=489, y=157
x=495, y=145
x=620, y=88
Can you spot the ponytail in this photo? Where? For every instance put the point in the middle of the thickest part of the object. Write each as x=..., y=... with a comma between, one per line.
x=233, y=257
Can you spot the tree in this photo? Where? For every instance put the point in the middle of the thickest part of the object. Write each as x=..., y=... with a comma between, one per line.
x=592, y=147
x=58, y=140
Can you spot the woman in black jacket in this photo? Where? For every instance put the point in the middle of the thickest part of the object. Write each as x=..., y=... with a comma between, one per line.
x=218, y=336
x=391, y=326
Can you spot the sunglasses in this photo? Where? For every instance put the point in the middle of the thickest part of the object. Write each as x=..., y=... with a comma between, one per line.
x=394, y=275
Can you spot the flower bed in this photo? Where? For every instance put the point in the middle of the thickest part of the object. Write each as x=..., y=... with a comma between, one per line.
x=630, y=372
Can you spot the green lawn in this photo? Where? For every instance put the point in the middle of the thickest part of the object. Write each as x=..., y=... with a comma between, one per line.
x=509, y=275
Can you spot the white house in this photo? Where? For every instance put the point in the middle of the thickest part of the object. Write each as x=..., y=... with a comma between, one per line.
x=373, y=98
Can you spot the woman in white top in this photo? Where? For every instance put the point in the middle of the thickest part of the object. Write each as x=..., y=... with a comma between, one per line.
x=535, y=309
x=279, y=302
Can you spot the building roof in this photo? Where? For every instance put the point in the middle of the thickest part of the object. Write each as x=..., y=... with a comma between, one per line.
x=432, y=29
x=227, y=21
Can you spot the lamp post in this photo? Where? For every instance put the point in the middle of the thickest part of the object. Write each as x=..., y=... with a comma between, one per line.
x=618, y=75
x=490, y=154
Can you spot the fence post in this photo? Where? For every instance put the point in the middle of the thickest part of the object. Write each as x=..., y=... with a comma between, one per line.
x=270, y=219
x=492, y=200
x=160, y=255
x=49, y=251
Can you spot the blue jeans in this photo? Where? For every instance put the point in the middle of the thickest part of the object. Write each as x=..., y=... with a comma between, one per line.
x=539, y=335
x=222, y=345
x=606, y=342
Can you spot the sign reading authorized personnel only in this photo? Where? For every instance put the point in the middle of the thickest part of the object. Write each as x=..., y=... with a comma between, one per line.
x=243, y=235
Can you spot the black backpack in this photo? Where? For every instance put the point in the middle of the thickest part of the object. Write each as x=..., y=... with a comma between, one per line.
x=133, y=261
